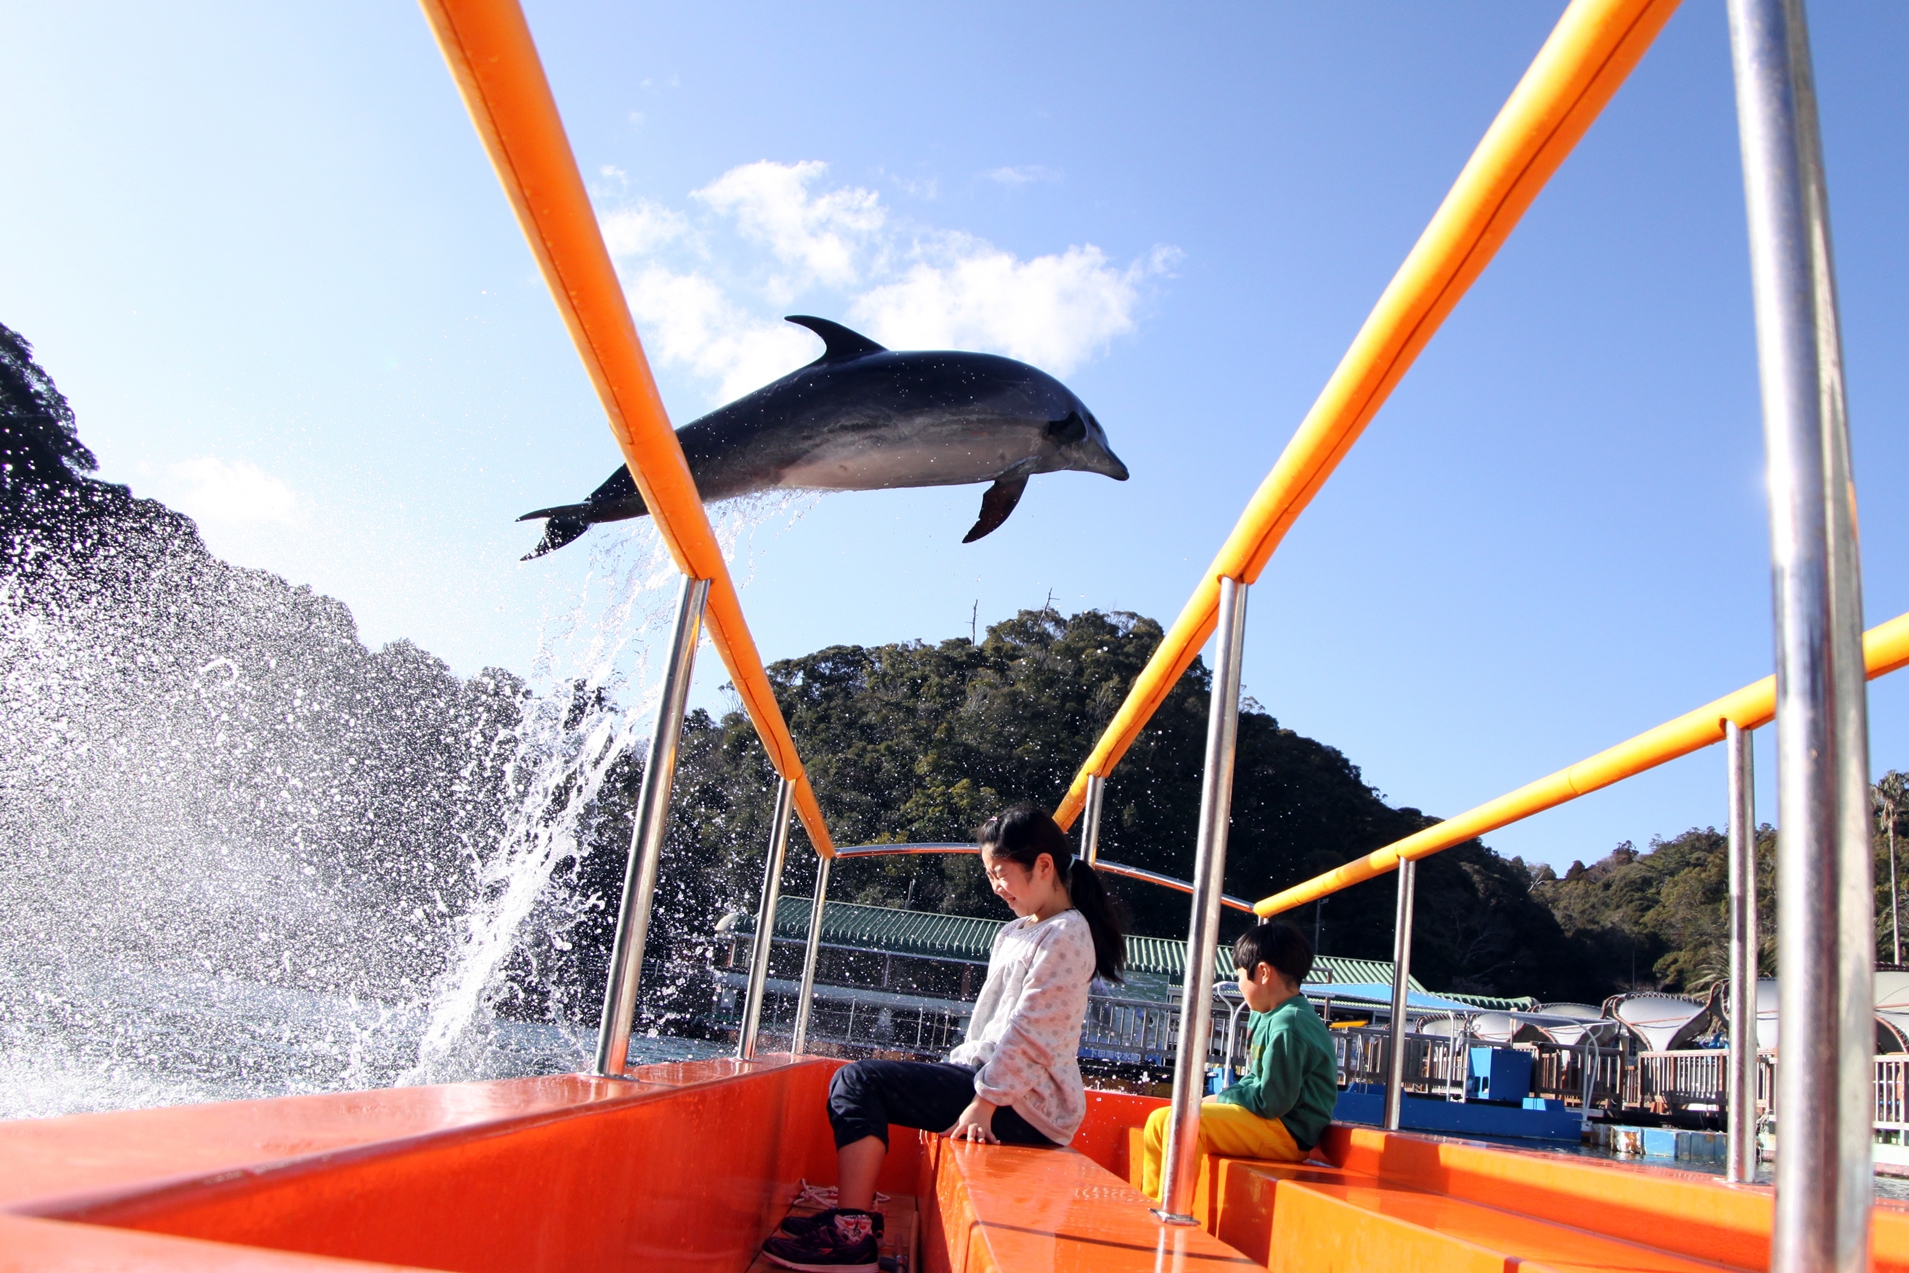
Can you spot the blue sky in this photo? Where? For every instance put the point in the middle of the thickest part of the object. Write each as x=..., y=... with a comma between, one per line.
x=264, y=255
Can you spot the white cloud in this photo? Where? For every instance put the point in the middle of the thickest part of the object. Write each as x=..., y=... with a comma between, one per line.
x=686, y=319
x=1054, y=311
x=697, y=280
x=822, y=234
x=235, y=493
x=927, y=189
x=641, y=228
x=1026, y=174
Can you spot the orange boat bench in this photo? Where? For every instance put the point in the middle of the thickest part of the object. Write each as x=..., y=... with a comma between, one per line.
x=689, y=1166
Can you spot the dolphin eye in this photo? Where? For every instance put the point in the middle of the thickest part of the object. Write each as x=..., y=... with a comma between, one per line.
x=1072, y=429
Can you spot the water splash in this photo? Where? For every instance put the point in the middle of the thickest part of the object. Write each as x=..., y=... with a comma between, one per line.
x=572, y=732
x=243, y=855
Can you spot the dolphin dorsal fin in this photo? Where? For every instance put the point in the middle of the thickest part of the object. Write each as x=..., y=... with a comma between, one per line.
x=843, y=344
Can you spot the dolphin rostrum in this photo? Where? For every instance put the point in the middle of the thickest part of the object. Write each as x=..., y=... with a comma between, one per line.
x=865, y=418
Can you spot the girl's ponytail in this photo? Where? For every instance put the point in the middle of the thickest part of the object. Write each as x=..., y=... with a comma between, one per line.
x=1021, y=835
x=1091, y=900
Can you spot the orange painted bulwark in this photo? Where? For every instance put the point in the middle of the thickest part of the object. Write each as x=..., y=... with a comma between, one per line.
x=1714, y=1221
x=1103, y=1132
x=691, y=1165
x=689, y=1170
x=1391, y=1200
x=52, y=1165
x=51, y=1246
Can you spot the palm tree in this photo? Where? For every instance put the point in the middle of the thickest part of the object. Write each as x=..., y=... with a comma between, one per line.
x=1892, y=794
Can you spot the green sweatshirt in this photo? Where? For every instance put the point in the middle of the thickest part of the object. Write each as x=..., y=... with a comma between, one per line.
x=1292, y=1073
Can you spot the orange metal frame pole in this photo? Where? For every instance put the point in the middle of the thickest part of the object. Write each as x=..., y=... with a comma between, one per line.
x=1885, y=649
x=1587, y=57
x=491, y=55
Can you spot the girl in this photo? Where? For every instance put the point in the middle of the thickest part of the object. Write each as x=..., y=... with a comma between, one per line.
x=1015, y=1080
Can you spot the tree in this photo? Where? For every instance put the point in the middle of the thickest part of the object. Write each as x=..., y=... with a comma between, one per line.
x=920, y=742
x=1663, y=912
x=39, y=439
x=1892, y=797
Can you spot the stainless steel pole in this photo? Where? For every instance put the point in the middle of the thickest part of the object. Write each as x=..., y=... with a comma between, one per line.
x=799, y=1040
x=1825, y=922
x=646, y=841
x=1401, y=984
x=766, y=920
x=1181, y=1150
x=1740, y=1156
x=1090, y=819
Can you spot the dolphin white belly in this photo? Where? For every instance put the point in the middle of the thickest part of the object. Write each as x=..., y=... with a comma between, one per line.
x=852, y=464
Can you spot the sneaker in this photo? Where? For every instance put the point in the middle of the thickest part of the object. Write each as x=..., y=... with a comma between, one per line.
x=824, y=1196
x=846, y=1244
x=802, y=1226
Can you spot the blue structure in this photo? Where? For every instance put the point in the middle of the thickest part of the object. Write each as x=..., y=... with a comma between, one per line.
x=1499, y=1074
x=1365, y=1103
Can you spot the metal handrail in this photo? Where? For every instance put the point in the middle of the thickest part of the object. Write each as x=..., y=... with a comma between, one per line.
x=489, y=49
x=1167, y=881
x=1585, y=60
x=926, y=846
x=1885, y=650
x=1100, y=864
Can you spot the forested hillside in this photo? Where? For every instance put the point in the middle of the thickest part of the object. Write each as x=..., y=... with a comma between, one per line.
x=1656, y=918
x=921, y=742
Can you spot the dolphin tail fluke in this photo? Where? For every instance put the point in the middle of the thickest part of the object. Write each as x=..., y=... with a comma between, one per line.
x=575, y=512
x=996, y=504
x=558, y=531
x=614, y=501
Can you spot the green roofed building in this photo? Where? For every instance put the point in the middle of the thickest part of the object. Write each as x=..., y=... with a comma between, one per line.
x=938, y=955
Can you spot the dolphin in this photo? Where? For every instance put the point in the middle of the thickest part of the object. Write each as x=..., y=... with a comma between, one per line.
x=865, y=418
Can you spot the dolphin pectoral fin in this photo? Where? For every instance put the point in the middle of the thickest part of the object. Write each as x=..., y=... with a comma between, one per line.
x=996, y=504
x=841, y=344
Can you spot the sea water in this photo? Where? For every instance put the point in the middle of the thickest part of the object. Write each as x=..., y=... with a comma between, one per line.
x=243, y=856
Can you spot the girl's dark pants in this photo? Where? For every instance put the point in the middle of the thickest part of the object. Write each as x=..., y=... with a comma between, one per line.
x=864, y=1098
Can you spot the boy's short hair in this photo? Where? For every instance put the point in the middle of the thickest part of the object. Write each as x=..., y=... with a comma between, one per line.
x=1274, y=942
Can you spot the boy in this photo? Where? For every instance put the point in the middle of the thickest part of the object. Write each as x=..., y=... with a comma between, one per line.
x=1281, y=1108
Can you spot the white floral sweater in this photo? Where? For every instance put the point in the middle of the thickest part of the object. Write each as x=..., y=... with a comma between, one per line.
x=1025, y=1032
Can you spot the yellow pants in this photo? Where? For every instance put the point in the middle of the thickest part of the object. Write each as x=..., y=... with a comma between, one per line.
x=1229, y=1131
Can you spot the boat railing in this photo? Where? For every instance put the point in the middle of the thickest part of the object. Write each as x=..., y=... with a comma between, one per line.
x=1137, y=1031
x=1697, y=1080
x=1144, y=1032
x=844, y=1019
x=1434, y=1063
x=1672, y=1082
x=1892, y=1095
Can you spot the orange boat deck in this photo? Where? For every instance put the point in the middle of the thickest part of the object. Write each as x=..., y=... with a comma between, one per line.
x=689, y=1166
